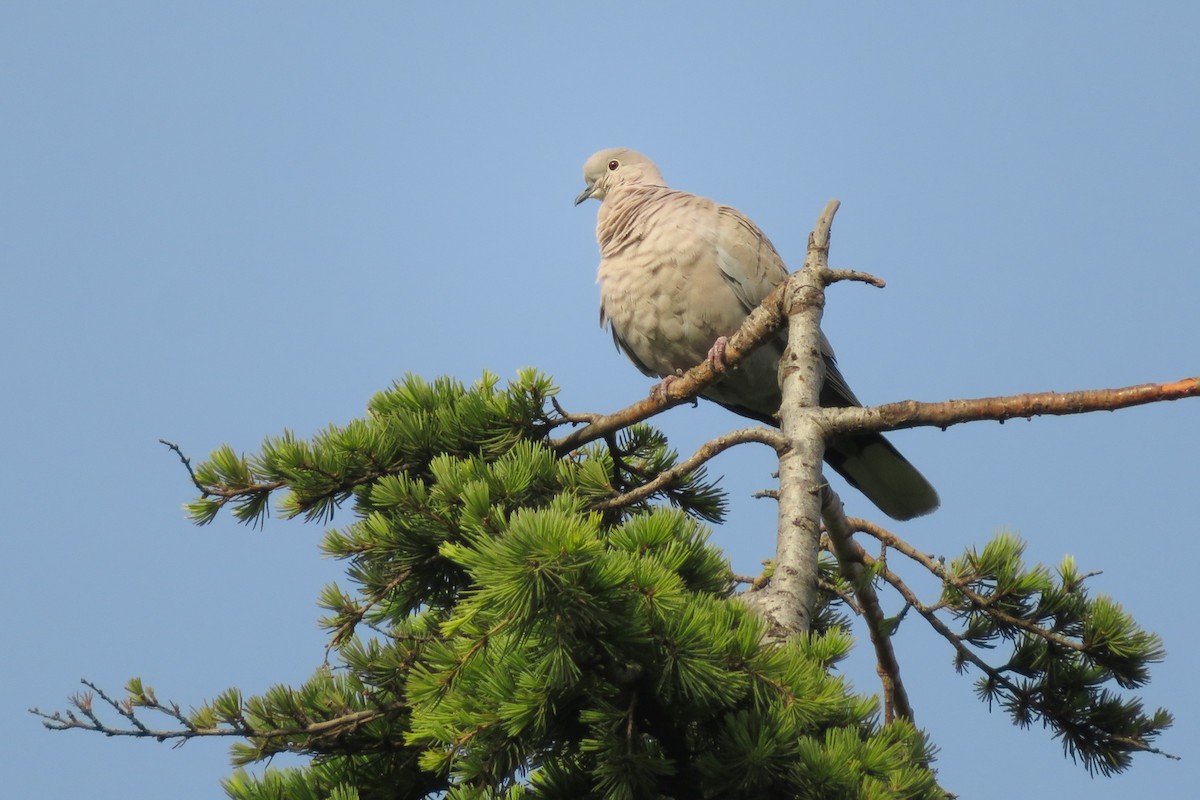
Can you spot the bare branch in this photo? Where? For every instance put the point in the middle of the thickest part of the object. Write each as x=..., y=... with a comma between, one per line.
x=568, y=418
x=706, y=452
x=187, y=464
x=850, y=558
x=912, y=414
x=843, y=595
x=831, y=276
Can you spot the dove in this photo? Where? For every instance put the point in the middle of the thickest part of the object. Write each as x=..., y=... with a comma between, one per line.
x=678, y=273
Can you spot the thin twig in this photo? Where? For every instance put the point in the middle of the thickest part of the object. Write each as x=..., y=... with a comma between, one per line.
x=706, y=452
x=833, y=275
x=565, y=416
x=58, y=721
x=187, y=464
x=346, y=628
x=843, y=595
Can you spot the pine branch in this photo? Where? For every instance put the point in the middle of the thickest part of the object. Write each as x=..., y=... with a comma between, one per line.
x=138, y=728
x=348, y=619
x=1046, y=693
x=930, y=614
x=1021, y=696
x=406, y=427
x=986, y=605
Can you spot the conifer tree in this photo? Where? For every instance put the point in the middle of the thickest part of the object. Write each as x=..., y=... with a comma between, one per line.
x=533, y=609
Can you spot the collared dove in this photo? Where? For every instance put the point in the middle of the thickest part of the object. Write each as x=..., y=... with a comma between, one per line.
x=677, y=273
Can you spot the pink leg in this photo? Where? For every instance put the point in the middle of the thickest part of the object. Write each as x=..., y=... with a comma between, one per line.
x=716, y=354
x=660, y=388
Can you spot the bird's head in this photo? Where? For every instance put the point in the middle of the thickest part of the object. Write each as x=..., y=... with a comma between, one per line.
x=617, y=166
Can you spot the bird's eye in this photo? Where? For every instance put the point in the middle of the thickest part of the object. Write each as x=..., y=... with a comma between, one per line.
x=613, y=164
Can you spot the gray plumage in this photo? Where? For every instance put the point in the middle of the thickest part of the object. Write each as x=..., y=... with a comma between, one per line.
x=678, y=271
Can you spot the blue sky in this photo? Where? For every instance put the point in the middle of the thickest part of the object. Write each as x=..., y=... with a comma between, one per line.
x=219, y=220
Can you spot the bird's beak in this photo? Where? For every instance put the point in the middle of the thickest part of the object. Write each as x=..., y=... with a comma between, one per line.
x=585, y=194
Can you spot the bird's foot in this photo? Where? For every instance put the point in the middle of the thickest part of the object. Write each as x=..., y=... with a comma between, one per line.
x=716, y=353
x=660, y=389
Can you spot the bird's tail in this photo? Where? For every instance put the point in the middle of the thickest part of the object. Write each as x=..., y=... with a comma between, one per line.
x=870, y=464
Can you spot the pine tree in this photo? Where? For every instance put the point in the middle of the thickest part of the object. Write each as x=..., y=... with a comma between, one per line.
x=533, y=614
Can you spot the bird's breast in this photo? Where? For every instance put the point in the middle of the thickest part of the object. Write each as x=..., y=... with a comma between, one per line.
x=662, y=292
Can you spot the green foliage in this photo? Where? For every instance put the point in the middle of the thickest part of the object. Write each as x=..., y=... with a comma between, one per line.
x=1065, y=646
x=504, y=640
x=410, y=427
x=519, y=627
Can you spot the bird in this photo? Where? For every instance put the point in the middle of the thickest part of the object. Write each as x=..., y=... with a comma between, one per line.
x=677, y=273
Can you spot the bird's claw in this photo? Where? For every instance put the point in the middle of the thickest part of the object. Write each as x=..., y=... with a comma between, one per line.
x=716, y=354
x=660, y=389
